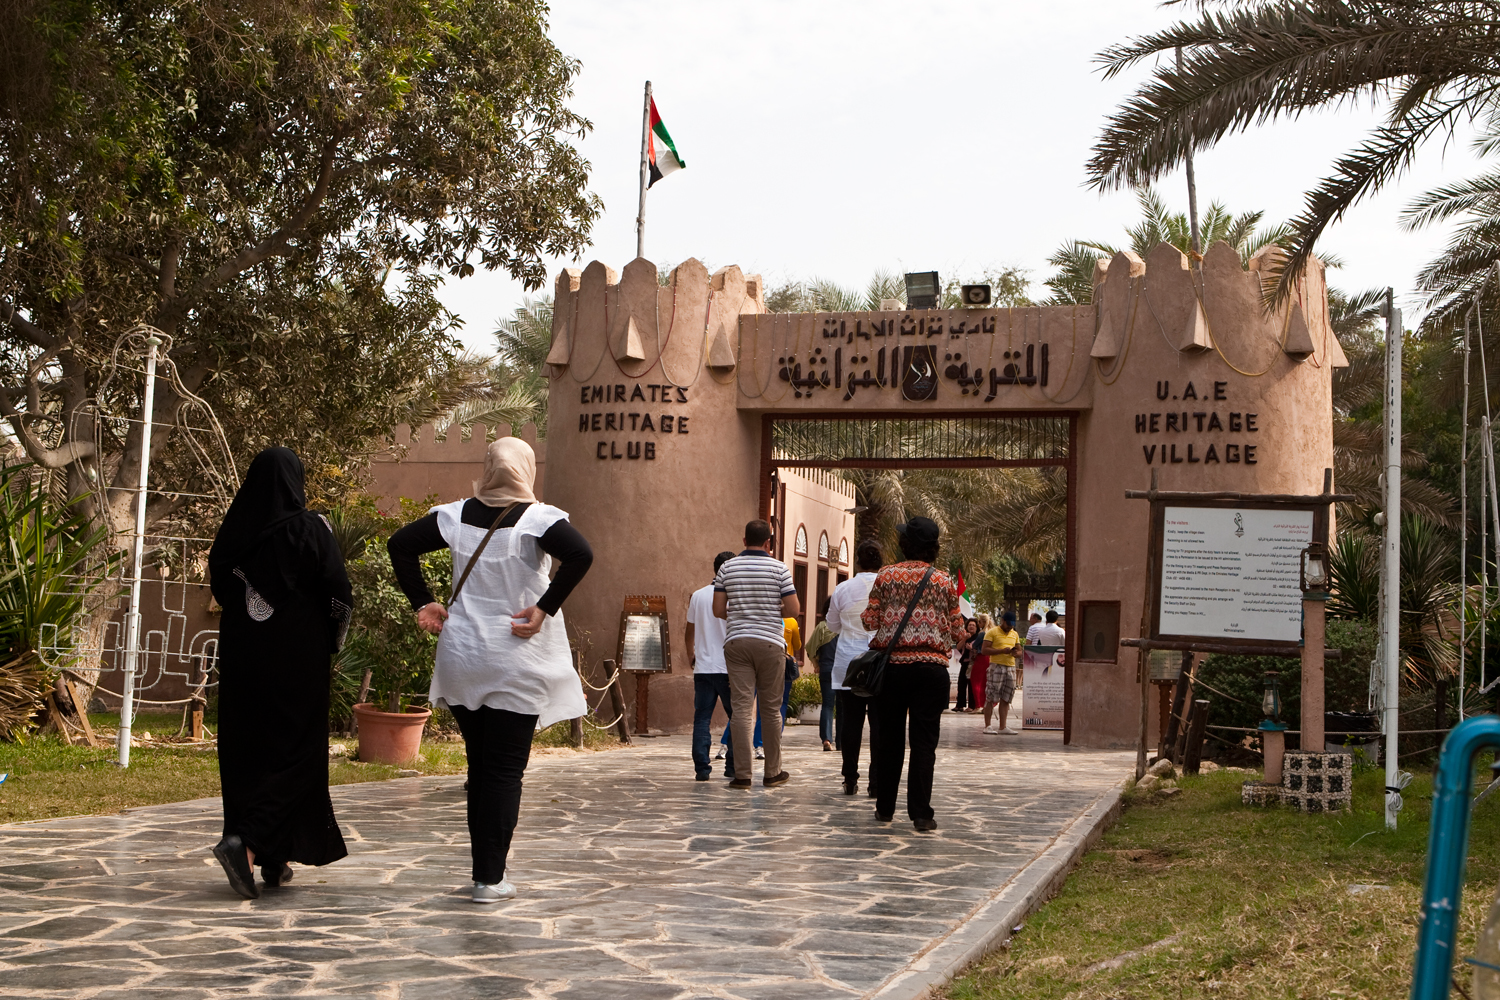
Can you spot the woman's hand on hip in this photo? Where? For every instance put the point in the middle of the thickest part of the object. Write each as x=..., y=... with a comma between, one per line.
x=430, y=617
x=527, y=623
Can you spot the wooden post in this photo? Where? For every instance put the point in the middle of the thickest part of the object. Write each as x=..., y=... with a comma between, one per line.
x=616, y=700
x=83, y=713
x=642, y=701
x=1180, y=703
x=1196, y=723
x=1163, y=714
x=575, y=730
x=1180, y=754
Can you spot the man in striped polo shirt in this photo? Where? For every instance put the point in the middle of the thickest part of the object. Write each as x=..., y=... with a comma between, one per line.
x=754, y=593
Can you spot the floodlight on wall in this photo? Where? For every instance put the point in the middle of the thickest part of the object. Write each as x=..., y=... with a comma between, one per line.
x=975, y=295
x=923, y=289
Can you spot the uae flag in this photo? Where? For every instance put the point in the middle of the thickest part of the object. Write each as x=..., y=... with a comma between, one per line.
x=965, y=606
x=663, y=160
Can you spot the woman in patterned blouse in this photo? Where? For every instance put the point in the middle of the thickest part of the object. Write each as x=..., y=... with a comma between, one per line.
x=916, y=676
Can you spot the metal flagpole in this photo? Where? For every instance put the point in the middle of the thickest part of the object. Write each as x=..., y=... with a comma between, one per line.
x=133, y=618
x=1463, y=537
x=640, y=219
x=1390, y=625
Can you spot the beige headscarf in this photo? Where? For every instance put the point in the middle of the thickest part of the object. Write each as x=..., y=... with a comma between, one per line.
x=509, y=473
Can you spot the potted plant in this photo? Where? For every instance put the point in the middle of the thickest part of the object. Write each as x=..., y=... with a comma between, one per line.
x=806, y=702
x=399, y=655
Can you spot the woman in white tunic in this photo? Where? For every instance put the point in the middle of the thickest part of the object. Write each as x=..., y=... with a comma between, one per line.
x=849, y=601
x=503, y=663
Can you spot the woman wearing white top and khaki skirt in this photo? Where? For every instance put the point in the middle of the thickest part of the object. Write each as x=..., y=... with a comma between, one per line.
x=504, y=668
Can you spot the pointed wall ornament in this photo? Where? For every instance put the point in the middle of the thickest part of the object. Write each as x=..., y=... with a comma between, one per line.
x=720, y=352
x=1195, y=334
x=562, y=344
x=1299, y=342
x=1107, y=339
x=629, y=348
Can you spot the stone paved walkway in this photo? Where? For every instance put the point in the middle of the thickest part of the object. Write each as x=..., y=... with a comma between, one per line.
x=636, y=882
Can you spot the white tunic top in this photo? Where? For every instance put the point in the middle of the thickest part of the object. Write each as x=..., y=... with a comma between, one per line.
x=849, y=601
x=479, y=661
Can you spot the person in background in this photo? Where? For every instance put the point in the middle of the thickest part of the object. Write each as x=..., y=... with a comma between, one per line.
x=705, y=646
x=1048, y=633
x=821, y=648
x=753, y=592
x=1001, y=643
x=1031, y=628
x=979, y=668
x=915, y=686
x=503, y=666
x=793, y=633
x=965, y=662
x=845, y=609
x=277, y=571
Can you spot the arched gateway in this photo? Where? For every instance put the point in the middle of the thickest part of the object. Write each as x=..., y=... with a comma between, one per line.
x=673, y=408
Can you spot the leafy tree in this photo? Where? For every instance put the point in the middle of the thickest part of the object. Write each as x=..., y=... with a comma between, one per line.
x=278, y=188
x=1247, y=63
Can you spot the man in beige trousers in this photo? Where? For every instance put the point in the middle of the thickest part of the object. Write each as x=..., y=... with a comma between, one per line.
x=753, y=592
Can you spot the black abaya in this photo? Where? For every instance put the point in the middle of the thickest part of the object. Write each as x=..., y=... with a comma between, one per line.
x=278, y=573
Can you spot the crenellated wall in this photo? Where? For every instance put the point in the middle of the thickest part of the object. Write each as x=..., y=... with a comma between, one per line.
x=421, y=464
x=659, y=393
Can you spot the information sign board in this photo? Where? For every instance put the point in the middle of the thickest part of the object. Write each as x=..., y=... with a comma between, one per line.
x=645, y=643
x=1231, y=573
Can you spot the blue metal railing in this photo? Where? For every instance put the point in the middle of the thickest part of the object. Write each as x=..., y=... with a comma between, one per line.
x=1447, y=852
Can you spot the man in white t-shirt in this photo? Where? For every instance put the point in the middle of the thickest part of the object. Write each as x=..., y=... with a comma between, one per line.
x=1048, y=633
x=848, y=602
x=705, y=646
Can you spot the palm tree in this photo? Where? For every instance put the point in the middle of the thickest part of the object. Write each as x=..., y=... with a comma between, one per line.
x=1073, y=284
x=1248, y=63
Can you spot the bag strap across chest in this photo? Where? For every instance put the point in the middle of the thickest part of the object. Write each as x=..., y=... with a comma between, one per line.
x=459, y=586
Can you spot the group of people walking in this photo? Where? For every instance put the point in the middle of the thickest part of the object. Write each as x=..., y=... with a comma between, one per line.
x=736, y=632
x=503, y=664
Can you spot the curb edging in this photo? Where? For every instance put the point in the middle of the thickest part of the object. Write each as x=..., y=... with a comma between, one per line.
x=989, y=925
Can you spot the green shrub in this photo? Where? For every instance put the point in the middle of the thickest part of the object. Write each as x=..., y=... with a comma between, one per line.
x=805, y=692
x=384, y=634
x=1345, y=681
x=43, y=548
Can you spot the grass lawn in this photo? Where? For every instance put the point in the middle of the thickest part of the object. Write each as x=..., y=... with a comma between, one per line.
x=48, y=778
x=1223, y=900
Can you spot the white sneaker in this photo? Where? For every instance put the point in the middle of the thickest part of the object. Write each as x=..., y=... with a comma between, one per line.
x=991, y=731
x=1007, y=731
x=493, y=893
x=760, y=754
x=719, y=753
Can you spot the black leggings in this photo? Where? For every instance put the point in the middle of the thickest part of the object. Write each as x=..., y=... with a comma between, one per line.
x=498, y=744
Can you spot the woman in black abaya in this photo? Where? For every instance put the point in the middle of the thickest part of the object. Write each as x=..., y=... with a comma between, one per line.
x=279, y=575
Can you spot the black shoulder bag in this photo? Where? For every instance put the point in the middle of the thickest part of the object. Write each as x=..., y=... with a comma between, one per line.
x=866, y=673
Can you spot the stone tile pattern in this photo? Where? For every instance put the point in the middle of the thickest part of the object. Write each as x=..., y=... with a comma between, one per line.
x=636, y=882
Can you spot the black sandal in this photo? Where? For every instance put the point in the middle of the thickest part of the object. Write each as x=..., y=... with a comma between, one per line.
x=231, y=854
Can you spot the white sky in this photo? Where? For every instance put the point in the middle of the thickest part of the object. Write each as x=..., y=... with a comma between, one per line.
x=832, y=139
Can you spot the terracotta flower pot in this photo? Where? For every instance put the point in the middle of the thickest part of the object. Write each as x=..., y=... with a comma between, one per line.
x=390, y=737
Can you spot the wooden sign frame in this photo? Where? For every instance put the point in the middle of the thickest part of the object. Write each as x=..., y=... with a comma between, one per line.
x=638, y=606
x=1159, y=504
